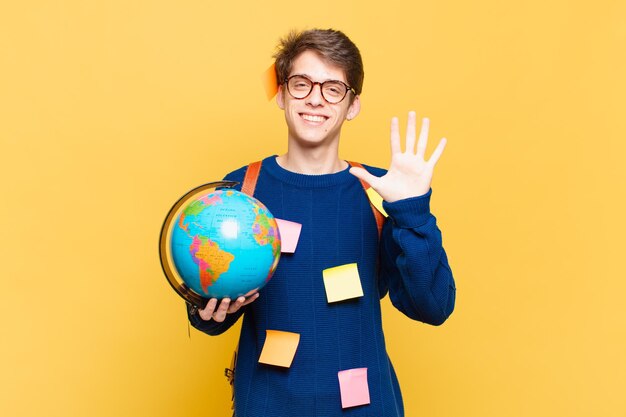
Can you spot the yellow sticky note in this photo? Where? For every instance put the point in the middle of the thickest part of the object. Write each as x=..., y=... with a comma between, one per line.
x=270, y=83
x=376, y=200
x=279, y=348
x=342, y=283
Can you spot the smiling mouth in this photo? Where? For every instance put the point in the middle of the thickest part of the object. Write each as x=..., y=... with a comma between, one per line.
x=313, y=118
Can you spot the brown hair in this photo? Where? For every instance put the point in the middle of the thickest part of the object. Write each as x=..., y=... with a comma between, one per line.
x=332, y=46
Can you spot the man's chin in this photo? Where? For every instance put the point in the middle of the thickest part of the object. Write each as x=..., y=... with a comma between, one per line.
x=314, y=137
x=313, y=141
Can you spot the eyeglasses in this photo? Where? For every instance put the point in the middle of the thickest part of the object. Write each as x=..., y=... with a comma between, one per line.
x=333, y=91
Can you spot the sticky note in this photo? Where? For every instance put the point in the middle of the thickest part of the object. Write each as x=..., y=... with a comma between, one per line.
x=354, y=388
x=376, y=200
x=342, y=282
x=270, y=83
x=289, y=235
x=279, y=348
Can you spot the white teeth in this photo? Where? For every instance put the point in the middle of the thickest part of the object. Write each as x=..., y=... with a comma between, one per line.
x=312, y=118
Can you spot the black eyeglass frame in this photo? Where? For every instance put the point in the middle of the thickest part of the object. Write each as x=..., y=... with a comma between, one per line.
x=321, y=84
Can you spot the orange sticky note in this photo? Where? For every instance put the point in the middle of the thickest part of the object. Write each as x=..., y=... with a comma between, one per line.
x=279, y=348
x=270, y=83
x=289, y=235
x=354, y=388
x=376, y=200
x=342, y=283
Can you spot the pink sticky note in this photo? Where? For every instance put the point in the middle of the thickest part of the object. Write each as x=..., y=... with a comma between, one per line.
x=289, y=235
x=354, y=388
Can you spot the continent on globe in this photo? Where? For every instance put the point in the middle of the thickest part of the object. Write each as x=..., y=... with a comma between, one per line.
x=264, y=231
x=196, y=207
x=224, y=244
x=211, y=260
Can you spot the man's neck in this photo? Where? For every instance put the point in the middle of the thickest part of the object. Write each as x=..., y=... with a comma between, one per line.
x=311, y=161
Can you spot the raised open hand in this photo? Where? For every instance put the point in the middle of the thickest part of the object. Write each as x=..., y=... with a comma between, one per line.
x=409, y=174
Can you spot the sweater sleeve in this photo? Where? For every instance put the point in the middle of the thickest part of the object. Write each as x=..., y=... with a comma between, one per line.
x=414, y=266
x=211, y=327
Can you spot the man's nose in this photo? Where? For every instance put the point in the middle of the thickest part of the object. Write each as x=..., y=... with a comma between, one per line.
x=315, y=98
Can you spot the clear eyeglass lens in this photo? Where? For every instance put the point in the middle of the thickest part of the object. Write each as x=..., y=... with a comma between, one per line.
x=300, y=87
x=332, y=91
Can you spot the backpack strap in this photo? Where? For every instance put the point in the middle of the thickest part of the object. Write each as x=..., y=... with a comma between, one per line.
x=250, y=179
x=380, y=219
x=252, y=175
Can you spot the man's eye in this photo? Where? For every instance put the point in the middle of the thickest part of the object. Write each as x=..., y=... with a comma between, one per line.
x=333, y=90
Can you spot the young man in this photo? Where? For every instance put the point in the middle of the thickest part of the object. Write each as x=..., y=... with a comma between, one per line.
x=320, y=75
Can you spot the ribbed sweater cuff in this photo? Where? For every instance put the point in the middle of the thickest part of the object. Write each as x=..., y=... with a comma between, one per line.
x=411, y=212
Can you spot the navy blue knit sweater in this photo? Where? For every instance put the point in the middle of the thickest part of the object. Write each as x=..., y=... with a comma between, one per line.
x=338, y=228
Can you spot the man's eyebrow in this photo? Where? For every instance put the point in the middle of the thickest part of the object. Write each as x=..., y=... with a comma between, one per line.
x=311, y=78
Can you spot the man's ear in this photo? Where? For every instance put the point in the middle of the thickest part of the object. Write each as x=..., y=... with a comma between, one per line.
x=354, y=108
x=280, y=98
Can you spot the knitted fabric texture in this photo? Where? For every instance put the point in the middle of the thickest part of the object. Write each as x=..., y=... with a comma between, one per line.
x=338, y=228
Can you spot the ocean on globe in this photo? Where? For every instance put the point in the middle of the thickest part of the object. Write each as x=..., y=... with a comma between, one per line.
x=225, y=244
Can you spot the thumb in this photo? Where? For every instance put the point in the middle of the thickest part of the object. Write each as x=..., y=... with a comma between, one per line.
x=362, y=174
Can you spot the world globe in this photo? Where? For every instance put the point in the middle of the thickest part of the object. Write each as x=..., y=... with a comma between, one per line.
x=217, y=243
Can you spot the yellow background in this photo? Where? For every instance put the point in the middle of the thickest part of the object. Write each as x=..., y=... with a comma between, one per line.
x=110, y=110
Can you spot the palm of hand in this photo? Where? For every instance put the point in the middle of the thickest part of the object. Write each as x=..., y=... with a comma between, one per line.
x=409, y=174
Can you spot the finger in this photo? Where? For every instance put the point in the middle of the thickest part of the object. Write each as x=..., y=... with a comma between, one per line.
x=220, y=314
x=395, y=136
x=437, y=152
x=207, y=312
x=251, y=292
x=362, y=174
x=250, y=299
x=410, y=133
x=236, y=305
x=423, y=140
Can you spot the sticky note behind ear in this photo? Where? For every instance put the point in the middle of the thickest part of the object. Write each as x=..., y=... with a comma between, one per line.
x=279, y=348
x=269, y=82
x=342, y=283
x=354, y=388
x=376, y=200
x=289, y=235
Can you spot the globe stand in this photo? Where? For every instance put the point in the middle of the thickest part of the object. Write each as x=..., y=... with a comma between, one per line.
x=173, y=277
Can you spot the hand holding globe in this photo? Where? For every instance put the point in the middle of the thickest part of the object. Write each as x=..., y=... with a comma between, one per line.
x=226, y=307
x=219, y=244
